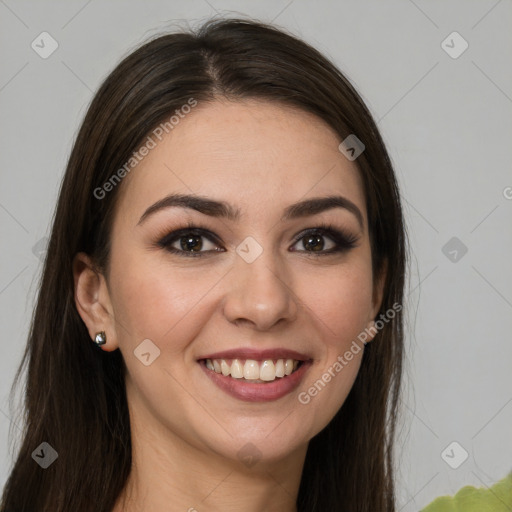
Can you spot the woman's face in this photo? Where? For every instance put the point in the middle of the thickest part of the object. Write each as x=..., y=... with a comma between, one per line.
x=252, y=287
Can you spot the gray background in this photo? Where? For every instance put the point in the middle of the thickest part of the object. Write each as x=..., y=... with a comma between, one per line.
x=448, y=126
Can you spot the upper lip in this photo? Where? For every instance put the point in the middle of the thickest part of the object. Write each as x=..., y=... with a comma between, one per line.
x=250, y=353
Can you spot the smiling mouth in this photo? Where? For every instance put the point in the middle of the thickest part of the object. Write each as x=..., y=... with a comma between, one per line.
x=251, y=370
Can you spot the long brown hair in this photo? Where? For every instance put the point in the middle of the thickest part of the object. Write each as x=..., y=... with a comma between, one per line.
x=75, y=394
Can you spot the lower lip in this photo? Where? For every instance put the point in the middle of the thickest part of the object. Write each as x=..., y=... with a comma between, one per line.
x=258, y=392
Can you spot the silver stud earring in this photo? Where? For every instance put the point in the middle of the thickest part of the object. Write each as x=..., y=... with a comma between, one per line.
x=101, y=338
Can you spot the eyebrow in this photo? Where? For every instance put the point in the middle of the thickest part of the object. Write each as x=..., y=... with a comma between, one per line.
x=222, y=209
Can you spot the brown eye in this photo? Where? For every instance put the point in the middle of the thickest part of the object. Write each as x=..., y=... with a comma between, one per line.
x=190, y=242
x=313, y=241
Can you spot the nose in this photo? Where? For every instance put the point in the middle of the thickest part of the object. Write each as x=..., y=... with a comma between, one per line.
x=259, y=293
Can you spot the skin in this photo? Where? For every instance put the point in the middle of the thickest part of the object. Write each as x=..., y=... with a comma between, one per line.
x=186, y=432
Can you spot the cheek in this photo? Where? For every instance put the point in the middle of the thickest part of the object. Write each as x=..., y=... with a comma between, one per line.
x=154, y=300
x=339, y=303
x=341, y=300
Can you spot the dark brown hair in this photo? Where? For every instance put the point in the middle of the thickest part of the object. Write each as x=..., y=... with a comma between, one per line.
x=75, y=394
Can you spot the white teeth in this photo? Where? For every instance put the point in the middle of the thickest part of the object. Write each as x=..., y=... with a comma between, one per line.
x=265, y=370
x=226, y=370
x=279, y=368
x=288, y=367
x=236, y=369
x=251, y=370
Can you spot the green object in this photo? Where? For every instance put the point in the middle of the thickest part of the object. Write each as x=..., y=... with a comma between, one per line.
x=497, y=498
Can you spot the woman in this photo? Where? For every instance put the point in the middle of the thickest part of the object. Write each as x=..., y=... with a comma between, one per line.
x=219, y=320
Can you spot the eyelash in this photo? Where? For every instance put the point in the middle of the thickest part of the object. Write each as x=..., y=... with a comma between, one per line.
x=344, y=241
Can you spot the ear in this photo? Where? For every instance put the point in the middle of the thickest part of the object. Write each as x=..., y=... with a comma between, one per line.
x=92, y=300
x=378, y=294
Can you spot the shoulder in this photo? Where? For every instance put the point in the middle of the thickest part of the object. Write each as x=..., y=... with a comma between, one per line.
x=497, y=498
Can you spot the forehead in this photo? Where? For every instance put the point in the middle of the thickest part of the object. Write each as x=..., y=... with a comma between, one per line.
x=259, y=156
